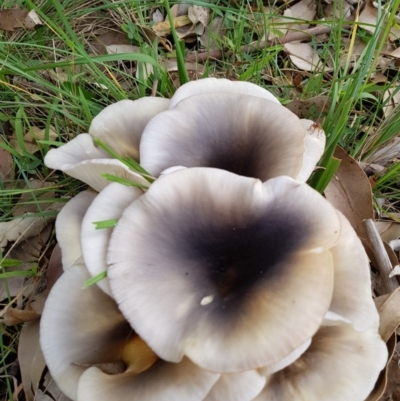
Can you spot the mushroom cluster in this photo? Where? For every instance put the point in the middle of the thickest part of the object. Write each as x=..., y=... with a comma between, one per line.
x=226, y=279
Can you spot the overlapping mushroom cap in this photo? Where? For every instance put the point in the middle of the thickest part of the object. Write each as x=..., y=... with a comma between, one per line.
x=228, y=280
x=236, y=126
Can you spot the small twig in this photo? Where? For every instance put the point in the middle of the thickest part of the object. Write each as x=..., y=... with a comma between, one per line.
x=292, y=36
x=382, y=258
x=154, y=89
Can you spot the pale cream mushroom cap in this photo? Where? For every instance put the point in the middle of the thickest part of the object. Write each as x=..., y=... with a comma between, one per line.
x=214, y=85
x=246, y=135
x=120, y=125
x=108, y=205
x=81, y=159
x=68, y=227
x=340, y=365
x=242, y=386
x=224, y=253
x=79, y=328
x=164, y=381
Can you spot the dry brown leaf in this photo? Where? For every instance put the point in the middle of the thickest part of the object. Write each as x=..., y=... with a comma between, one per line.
x=199, y=14
x=393, y=383
x=215, y=29
x=22, y=227
x=369, y=16
x=30, y=249
x=304, y=10
x=12, y=18
x=342, y=10
x=350, y=192
x=6, y=165
x=36, y=191
x=386, y=154
x=389, y=313
x=164, y=28
x=30, y=358
x=304, y=56
x=382, y=381
x=157, y=16
x=392, y=99
x=388, y=230
x=18, y=18
x=312, y=109
x=31, y=137
x=179, y=9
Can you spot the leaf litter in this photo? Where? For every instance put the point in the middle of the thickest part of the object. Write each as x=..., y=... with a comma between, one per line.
x=293, y=26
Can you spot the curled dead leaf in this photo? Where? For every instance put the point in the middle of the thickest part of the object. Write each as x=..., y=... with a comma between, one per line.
x=350, y=192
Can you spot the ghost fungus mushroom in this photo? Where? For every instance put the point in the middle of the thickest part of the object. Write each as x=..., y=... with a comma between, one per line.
x=236, y=126
x=120, y=127
x=222, y=265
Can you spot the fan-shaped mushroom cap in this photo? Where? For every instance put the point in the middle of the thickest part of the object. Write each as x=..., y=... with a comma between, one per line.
x=68, y=227
x=314, y=143
x=243, y=134
x=80, y=327
x=80, y=159
x=224, y=253
x=162, y=382
x=214, y=85
x=120, y=125
x=243, y=386
x=109, y=204
x=352, y=296
x=340, y=365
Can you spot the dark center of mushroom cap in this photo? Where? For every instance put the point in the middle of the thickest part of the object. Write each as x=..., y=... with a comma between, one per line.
x=239, y=257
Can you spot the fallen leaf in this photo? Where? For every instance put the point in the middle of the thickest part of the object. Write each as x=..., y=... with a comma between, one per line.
x=387, y=153
x=6, y=165
x=30, y=358
x=12, y=18
x=304, y=56
x=164, y=28
x=381, y=383
x=350, y=192
x=393, y=383
x=369, y=17
x=157, y=16
x=32, y=200
x=388, y=230
x=199, y=14
x=303, y=10
x=341, y=9
x=31, y=137
x=389, y=314
x=312, y=109
x=391, y=99
x=215, y=29
x=30, y=249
